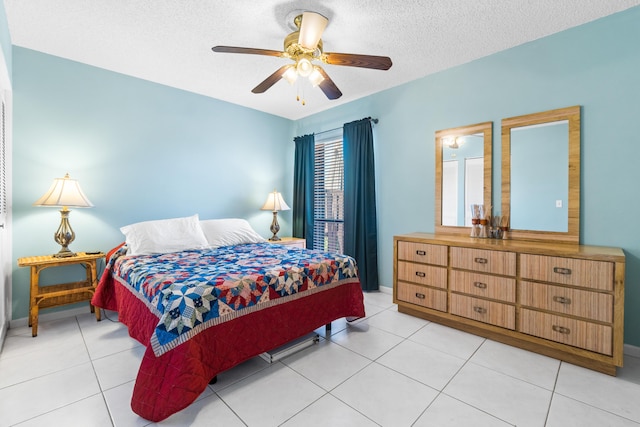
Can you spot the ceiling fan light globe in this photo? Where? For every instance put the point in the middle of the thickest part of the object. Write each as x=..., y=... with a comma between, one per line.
x=316, y=77
x=304, y=67
x=290, y=75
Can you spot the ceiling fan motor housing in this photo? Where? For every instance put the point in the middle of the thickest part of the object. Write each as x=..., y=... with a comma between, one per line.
x=293, y=49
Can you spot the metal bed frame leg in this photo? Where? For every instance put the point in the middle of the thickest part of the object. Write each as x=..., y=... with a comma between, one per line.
x=328, y=327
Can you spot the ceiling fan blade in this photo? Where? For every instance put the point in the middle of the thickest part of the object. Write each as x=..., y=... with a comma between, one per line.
x=311, y=29
x=248, y=50
x=327, y=86
x=271, y=80
x=353, y=60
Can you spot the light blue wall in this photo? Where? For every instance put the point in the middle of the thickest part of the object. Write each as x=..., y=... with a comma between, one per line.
x=540, y=178
x=140, y=150
x=596, y=65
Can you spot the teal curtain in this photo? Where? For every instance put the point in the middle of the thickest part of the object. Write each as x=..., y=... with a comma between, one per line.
x=360, y=222
x=303, y=188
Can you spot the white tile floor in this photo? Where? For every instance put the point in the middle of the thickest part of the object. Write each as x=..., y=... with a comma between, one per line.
x=388, y=369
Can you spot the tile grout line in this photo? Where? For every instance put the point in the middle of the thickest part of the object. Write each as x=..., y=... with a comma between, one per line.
x=93, y=367
x=330, y=392
x=553, y=393
x=441, y=392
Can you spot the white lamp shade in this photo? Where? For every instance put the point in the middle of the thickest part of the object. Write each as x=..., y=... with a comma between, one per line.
x=275, y=202
x=64, y=192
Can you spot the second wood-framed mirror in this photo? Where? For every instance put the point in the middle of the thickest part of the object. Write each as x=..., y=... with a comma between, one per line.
x=541, y=175
x=463, y=175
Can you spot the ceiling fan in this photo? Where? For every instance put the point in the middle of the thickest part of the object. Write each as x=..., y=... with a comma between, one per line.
x=304, y=46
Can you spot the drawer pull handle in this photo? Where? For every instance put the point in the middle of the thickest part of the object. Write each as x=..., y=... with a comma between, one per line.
x=561, y=270
x=421, y=253
x=420, y=274
x=480, y=310
x=561, y=329
x=480, y=285
x=562, y=300
x=420, y=296
x=480, y=260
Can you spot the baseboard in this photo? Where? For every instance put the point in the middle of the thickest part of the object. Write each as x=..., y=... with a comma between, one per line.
x=3, y=334
x=631, y=350
x=385, y=289
x=47, y=317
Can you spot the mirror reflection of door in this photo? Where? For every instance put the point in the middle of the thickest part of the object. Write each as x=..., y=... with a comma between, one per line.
x=463, y=175
x=462, y=178
x=450, y=192
x=473, y=185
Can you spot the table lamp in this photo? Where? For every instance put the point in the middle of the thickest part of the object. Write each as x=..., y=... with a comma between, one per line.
x=64, y=193
x=275, y=203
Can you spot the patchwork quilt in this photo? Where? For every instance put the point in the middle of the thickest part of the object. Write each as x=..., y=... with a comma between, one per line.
x=190, y=291
x=202, y=312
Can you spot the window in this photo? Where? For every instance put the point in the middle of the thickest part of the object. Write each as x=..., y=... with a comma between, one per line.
x=328, y=195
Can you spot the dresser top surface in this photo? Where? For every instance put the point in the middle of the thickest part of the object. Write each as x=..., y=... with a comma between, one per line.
x=522, y=246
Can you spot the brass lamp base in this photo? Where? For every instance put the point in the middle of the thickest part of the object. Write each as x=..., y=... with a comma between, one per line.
x=64, y=235
x=275, y=227
x=64, y=253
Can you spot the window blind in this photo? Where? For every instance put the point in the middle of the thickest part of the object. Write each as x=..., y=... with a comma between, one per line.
x=328, y=210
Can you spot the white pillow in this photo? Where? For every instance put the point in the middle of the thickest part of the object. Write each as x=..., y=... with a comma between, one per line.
x=164, y=235
x=229, y=231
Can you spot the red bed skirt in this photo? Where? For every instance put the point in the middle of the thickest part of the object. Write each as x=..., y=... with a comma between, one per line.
x=172, y=381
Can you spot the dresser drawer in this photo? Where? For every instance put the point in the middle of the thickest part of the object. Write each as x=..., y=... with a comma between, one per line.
x=496, y=262
x=568, y=271
x=422, y=252
x=484, y=285
x=494, y=313
x=590, y=305
x=422, y=296
x=577, y=333
x=422, y=274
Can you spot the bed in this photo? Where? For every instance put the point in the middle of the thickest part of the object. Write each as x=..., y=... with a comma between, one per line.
x=200, y=311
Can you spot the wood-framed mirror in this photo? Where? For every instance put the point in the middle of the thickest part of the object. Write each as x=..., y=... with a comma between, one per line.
x=463, y=175
x=541, y=175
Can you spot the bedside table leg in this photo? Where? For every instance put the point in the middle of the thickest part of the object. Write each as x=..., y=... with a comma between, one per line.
x=34, y=320
x=92, y=277
x=33, y=305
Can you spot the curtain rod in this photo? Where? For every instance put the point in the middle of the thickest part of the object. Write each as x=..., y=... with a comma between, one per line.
x=375, y=121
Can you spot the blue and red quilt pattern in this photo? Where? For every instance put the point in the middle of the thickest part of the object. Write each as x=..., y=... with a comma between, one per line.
x=191, y=290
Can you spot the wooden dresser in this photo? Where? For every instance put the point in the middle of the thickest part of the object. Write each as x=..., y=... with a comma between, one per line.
x=561, y=300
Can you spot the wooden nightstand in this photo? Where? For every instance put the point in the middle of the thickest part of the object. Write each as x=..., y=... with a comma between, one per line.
x=290, y=241
x=64, y=293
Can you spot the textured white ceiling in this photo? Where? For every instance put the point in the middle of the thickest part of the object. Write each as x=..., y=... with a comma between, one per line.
x=169, y=42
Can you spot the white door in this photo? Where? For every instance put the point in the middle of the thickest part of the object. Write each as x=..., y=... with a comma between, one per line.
x=474, y=186
x=5, y=198
x=450, y=193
